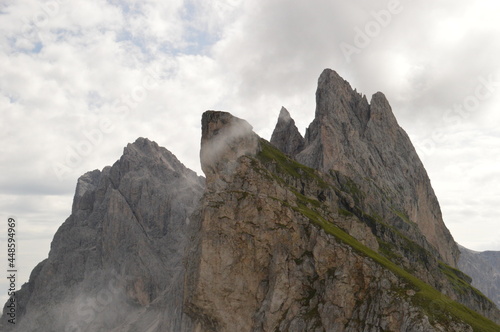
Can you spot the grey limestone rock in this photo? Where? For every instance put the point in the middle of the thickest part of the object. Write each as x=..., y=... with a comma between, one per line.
x=286, y=136
x=364, y=142
x=118, y=258
x=484, y=269
x=224, y=138
x=262, y=260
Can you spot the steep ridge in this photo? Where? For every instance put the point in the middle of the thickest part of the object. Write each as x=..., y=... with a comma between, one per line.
x=363, y=141
x=484, y=269
x=273, y=252
x=117, y=262
x=346, y=132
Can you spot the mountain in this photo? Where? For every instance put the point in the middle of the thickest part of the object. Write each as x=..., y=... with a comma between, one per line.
x=364, y=142
x=278, y=247
x=117, y=261
x=300, y=240
x=484, y=269
x=286, y=135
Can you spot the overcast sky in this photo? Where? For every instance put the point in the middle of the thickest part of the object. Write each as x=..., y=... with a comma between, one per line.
x=80, y=79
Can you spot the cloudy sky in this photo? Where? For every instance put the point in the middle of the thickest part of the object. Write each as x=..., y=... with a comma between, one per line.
x=80, y=79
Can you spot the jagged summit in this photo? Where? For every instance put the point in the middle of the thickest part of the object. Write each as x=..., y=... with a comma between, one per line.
x=284, y=115
x=335, y=97
x=144, y=150
x=286, y=136
x=120, y=251
x=364, y=142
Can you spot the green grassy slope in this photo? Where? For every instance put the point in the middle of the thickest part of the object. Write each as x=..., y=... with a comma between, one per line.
x=438, y=307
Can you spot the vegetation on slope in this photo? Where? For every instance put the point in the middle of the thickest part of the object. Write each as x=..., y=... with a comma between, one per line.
x=438, y=307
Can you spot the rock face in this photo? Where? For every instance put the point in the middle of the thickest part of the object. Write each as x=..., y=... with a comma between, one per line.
x=224, y=139
x=484, y=269
x=286, y=136
x=117, y=261
x=273, y=252
x=265, y=243
x=364, y=142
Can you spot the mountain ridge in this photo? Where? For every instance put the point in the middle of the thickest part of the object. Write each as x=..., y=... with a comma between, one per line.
x=484, y=269
x=263, y=243
x=364, y=140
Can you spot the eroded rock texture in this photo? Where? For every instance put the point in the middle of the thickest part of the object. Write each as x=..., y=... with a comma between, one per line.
x=364, y=142
x=117, y=262
x=273, y=253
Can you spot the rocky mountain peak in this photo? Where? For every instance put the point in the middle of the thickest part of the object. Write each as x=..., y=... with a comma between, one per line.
x=121, y=249
x=286, y=136
x=143, y=151
x=272, y=254
x=142, y=144
x=224, y=138
x=364, y=142
x=284, y=115
x=335, y=99
x=381, y=114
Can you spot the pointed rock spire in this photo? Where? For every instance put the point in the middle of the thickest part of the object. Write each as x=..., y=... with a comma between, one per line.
x=336, y=98
x=365, y=142
x=286, y=136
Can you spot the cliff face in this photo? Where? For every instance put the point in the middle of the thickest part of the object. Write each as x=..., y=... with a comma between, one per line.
x=274, y=253
x=364, y=142
x=484, y=269
x=264, y=243
x=117, y=261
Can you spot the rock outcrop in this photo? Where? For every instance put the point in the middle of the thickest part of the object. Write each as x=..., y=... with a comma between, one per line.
x=273, y=252
x=286, y=136
x=117, y=261
x=484, y=269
